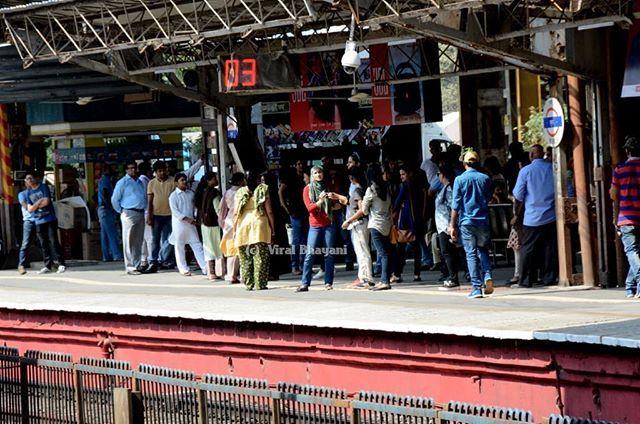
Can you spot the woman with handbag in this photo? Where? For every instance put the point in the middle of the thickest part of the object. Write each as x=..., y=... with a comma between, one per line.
x=408, y=208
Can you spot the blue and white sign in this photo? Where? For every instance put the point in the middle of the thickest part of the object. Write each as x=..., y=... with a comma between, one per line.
x=553, y=121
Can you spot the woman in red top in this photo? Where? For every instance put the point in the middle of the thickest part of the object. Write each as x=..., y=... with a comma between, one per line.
x=320, y=205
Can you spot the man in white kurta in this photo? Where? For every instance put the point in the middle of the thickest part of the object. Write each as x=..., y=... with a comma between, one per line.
x=184, y=226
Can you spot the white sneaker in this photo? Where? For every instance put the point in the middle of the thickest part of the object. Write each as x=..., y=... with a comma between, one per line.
x=318, y=275
x=61, y=269
x=44, y=270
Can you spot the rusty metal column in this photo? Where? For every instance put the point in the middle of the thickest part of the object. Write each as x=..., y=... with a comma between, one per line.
x=565, y=256
x=614, y=150
x=582, y=186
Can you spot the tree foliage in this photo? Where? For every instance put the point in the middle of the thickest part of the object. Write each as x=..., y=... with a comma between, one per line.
x=532, y=130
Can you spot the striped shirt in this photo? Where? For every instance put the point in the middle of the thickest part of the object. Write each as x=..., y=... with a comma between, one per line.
x=626, y=180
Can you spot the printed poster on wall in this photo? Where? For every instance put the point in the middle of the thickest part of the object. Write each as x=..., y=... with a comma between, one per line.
x=631, y=84
x=316, y=110
x=396, y=104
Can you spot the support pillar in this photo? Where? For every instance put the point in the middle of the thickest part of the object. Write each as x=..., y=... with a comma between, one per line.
x=565, y=255
x=583, y=197
x=614, y=150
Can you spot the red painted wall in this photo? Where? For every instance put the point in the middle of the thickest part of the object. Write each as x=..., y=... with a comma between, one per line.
x=586, y=380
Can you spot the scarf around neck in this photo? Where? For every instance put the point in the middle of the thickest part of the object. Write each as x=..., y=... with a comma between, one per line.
x=315, y=188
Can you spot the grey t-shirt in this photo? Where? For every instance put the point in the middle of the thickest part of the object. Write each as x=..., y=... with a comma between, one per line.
x=378, y=211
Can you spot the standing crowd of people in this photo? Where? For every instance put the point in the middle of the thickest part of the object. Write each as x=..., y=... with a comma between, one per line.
x=374, y=215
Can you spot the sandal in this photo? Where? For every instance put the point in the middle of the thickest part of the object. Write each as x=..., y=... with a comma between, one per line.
x=186, y=274
x=357, y=284
x=381, y=286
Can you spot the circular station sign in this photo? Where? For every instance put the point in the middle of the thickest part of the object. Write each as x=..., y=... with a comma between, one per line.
x=553, y=121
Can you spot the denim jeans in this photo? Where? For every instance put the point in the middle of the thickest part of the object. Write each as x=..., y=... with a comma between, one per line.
x=161, y=233
x=28, y=231
x=298, y=226
x=630, y=236
x=383, y=250
x=316, y=236
x=475, y=241
x=48, y=237
x=109, y=235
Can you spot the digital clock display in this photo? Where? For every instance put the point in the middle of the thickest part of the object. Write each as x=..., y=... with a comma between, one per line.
x=240, y=73
x=259, y=72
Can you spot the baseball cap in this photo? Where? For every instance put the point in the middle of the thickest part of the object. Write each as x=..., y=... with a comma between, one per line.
x=471, y=157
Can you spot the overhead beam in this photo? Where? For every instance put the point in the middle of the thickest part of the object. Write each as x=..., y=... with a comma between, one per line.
x=603, y=20
x=68, y=93
x=368, y=85
x=149, y=83
x=521, y=58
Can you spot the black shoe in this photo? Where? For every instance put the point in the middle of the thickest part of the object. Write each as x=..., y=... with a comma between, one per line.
x=349, y=267
x=302, y=289
x=443, y=278
x=152, y=269
x=417, y=278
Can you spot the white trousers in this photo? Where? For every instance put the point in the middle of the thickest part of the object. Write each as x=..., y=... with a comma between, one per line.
x=181, y=258
x=132, y=238
x=147, y=245
x=360, y=241
x=232, y=268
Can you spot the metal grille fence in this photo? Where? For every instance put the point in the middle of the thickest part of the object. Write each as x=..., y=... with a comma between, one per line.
x=96, y=380
x=310, y=404
x=169, y=396
x=386, y=408
x=237, y=400
x=10, y=398
x=48, y=388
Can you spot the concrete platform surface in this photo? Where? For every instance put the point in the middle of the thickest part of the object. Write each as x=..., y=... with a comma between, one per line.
x=574, y=314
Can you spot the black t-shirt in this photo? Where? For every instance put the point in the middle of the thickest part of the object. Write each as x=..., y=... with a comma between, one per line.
x=293, y=195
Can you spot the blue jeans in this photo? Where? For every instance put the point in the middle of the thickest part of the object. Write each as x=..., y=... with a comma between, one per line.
x=28, y=231
x=161, y=233
x=109, y=235
x=383, y=251
x=297, y=241
x=316, y=236
x=630, y=236
x=427, y=257
x=475, y=241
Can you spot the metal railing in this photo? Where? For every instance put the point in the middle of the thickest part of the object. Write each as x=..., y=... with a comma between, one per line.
x=49, y=388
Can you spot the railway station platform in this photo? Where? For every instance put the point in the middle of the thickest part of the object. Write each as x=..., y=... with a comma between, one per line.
x=571, y=351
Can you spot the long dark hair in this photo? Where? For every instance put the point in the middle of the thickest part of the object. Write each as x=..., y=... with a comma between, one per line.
x=202, y=187
x=374, y=175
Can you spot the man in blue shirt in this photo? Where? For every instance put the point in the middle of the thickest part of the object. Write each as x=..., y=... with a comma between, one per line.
x=470, y=222
x=130, y=200
x=109, y=240
x=536, y=210
x=40, y=205
x=28, y=230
